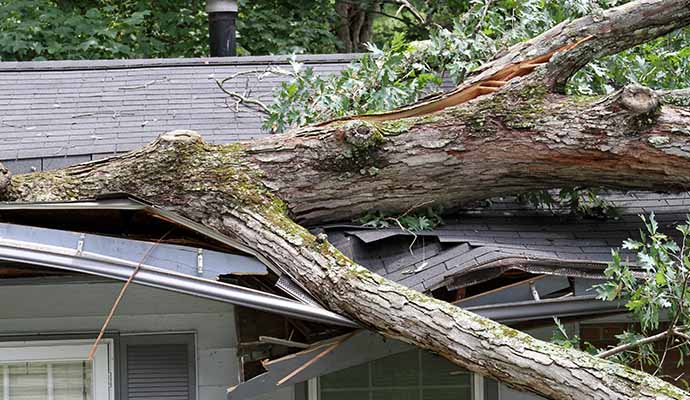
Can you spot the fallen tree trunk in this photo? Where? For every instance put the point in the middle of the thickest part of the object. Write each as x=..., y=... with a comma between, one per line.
x=522, y=137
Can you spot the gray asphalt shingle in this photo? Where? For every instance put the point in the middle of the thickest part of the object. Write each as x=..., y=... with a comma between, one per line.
x=81, y=108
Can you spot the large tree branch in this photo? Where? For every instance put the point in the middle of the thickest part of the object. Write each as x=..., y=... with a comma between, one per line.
x=563, y=50
x=220, y=187
x=518, y=140
x=611, y=32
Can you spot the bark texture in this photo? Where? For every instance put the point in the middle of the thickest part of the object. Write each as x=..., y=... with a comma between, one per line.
x=523, y=137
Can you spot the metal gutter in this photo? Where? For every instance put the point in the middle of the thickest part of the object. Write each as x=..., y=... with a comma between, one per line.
x=114, y=268
x=186, y=260
x=547, y=308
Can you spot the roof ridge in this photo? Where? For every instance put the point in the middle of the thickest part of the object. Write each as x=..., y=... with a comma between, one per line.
x=88, y=65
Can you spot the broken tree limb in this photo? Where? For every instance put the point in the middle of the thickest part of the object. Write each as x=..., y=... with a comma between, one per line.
x=522, y=137
x=629, y=346
x=464, y=93
x=317, y=357
x=562, y=50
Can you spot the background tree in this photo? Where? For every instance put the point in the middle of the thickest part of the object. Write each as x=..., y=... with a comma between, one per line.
x=102, y=29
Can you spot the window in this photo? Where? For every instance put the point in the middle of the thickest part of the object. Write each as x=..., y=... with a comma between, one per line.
x=412, y=375
x=55, y=370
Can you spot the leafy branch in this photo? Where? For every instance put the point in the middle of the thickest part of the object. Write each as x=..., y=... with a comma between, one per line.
x=413, y=220
x=578, y=201
x=661, y=294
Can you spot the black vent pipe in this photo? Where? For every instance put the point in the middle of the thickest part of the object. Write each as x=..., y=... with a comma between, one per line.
x=221, y=27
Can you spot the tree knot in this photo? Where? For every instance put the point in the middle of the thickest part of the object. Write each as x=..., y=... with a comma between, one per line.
x=361, y=133
x=635, y=107
x=362, y=151
x=180, y=136
x=638, y=99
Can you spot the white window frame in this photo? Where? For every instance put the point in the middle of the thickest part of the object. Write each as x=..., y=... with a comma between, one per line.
x=65, y=350
x=477, y=386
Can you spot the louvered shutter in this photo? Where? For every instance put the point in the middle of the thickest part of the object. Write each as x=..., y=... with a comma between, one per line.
x=158, y=367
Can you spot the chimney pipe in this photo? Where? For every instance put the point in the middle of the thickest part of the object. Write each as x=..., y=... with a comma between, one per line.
x=221, y=27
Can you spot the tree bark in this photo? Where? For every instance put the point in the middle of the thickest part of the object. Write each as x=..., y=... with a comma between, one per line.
x=355, y=22
x=524, y=136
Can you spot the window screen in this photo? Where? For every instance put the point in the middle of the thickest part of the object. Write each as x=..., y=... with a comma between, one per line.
x=35, y=380
x=412, y=375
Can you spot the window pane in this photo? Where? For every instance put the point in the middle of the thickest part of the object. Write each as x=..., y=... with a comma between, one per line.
x=439, y=371
x=450, y=393
x=397, y=370
x=69, y=380
x=28, y=381
x=490, y=389
x=72, y=380
x=345, y=395
x=396, y=394
x=412, y=375
x=354, y=377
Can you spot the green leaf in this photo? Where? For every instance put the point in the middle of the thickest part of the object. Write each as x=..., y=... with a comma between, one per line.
x=660, y=278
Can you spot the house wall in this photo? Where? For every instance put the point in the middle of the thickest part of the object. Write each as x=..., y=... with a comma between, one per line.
x=77, y=308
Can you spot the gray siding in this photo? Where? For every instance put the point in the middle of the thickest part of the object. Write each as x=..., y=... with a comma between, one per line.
x=80, y=308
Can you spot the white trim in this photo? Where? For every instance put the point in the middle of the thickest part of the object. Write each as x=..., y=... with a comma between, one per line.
x=49, y=381
x=6, y=383
x=313, y=389
x=477, y=386
x=65, y=350
x=197, y=361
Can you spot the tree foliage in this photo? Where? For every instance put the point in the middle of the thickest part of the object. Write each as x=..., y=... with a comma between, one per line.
x=107, y=29
x=285, y=27
x=402, y=71
x=654, y=290
x=103, y=29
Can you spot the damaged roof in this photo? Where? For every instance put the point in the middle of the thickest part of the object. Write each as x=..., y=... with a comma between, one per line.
x=26, y=243
x=482, y=243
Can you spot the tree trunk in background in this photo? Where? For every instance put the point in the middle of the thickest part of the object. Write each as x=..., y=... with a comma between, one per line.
x=523, y=136
x=355, y=22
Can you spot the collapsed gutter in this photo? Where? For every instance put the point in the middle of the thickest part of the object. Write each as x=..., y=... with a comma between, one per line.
x=127, y=202
x=114, y=268
x=548, y=308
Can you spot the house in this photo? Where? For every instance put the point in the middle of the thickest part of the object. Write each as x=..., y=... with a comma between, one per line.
x=204, y=313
